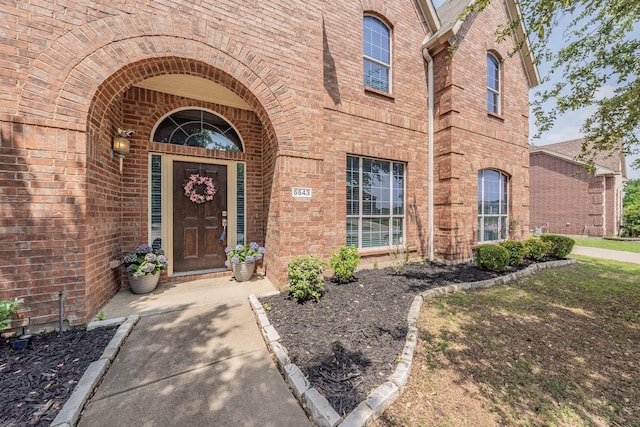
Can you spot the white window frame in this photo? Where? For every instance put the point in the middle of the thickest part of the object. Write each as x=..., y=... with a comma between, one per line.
x=391, y=216
x=375, y=60
x=497, y=91
x=504, y=182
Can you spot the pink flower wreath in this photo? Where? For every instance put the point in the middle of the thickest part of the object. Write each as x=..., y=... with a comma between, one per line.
x=194, y=184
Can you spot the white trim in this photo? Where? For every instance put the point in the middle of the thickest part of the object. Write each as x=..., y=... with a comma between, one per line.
x=600, y=170
x=430, y=15
x=497, y=91
x=167, y=199
x=389, y=66
x=215, y=113
x=481, y=216
x=359, y=217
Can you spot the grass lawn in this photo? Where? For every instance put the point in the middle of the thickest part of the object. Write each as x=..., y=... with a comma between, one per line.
x=608, y=244
x=559, y=348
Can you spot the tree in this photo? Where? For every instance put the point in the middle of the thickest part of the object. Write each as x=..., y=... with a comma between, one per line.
x=631, y=203
x=631, y=193
x=601, y=50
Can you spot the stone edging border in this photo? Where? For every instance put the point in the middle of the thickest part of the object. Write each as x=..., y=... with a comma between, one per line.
x=317, y=406
x=70, y=412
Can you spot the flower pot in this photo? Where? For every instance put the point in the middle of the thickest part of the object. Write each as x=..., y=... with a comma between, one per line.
x=243, y=271
x=144, y=284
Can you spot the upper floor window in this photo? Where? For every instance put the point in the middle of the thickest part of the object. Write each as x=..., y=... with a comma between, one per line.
x=493, y=84
x=377, y=54
x=493, y=205
x=198, y=128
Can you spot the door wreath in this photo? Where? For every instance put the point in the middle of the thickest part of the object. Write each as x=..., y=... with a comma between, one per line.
x=199, y=189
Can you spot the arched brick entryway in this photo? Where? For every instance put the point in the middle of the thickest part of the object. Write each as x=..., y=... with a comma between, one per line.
x=96, y=65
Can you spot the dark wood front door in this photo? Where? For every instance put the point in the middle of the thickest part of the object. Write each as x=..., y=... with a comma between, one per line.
x=197, y=228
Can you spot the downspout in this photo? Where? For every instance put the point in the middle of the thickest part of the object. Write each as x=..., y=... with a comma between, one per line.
x=429, y=59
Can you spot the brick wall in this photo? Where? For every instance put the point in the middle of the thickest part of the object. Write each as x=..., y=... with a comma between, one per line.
x=566, y=199
x=67, y=76
x=44, y=190
x=468, y=138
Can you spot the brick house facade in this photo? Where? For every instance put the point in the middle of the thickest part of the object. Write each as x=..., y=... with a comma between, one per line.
x=285, y=80
x=566, y=198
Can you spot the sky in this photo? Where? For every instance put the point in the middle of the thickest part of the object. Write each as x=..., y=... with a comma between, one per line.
x=566, y=127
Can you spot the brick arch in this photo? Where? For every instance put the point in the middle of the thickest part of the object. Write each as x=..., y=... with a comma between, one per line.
x=496, y=51
x=88, y=56
x=498, y=165
x=379, y=7
x=127, y=76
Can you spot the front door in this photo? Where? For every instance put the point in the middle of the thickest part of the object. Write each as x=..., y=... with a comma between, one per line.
x=198, y=240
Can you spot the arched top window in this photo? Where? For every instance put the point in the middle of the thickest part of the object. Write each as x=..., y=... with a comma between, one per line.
x=376, y=38
x=198, y=128
x=493, y=84
x=493, y=205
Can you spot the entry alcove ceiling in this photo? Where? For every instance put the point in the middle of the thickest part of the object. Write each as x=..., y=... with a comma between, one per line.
x=195, y=88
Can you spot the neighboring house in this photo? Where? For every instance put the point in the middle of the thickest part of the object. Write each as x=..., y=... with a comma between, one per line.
x=313, y=119
x=566, y=198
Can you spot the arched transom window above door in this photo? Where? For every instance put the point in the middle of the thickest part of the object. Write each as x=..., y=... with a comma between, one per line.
x=197, y=128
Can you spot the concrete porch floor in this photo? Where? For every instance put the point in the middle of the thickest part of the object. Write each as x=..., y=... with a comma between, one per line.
x=183, y=295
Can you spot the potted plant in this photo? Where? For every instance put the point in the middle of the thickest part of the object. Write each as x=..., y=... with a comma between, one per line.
x=144, y=267
x=242, y=258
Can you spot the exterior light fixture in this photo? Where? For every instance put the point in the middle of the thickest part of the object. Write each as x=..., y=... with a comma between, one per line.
x=121, y=145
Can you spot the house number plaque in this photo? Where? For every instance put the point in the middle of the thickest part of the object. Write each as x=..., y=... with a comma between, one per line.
x=301, y=192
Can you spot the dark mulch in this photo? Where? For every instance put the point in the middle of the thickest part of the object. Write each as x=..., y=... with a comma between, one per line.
x=349, y=342
x=37, y=381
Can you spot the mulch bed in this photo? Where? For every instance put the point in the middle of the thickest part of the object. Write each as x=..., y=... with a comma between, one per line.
x=37, y=380
x=349, y=342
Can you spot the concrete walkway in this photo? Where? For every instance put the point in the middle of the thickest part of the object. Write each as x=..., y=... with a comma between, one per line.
x=195, y=358
x=606, y=254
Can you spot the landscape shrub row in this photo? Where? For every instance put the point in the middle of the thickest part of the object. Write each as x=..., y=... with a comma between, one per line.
x=514, y=252
x=303, y=273
x=304, y=281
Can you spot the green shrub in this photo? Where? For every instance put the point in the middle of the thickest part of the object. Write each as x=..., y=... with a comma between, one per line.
x=516, y=251
x=492, y=257
x=560, y=246
x=303, y=278
x=536, y=248
x=6, y=308
x=344, y=262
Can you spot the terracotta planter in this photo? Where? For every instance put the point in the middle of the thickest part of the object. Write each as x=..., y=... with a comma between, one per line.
x=145, y=284
x=243, y=271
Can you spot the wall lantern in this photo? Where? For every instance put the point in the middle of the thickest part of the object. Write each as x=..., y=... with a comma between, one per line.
x=121, y=146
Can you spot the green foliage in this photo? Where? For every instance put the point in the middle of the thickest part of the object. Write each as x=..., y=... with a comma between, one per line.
x=145, y=261
x=492, y=257
x=6, y=308
x=100, y=315
x=560, y=246
x=536, y=248
x=400, y=257
x=631, y=193
x=303, y=278
x=516, y=251
x=344, y=262
x=631, y=221
x=631, y=214
x=600, y=51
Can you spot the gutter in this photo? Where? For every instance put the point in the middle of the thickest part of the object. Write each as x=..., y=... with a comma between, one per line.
x=429, y=59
